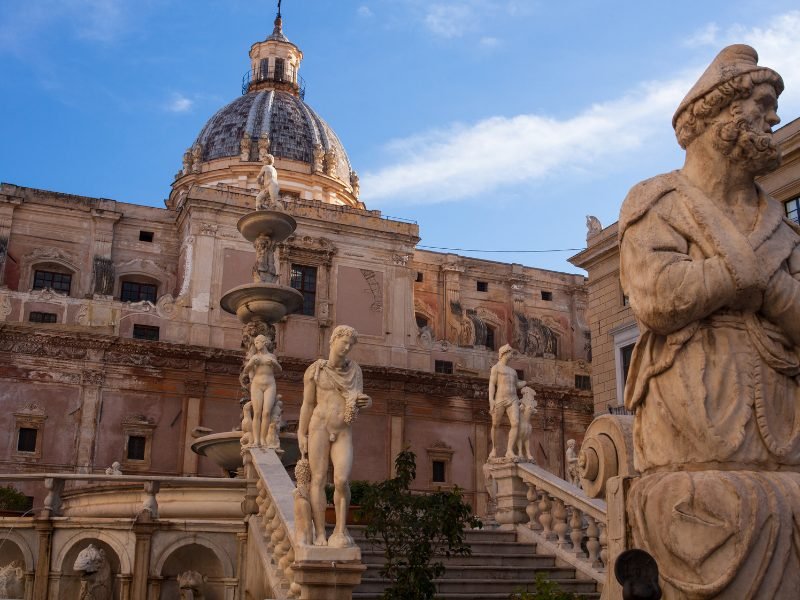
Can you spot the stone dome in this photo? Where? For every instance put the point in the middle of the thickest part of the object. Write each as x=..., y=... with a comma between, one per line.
x=294, y=130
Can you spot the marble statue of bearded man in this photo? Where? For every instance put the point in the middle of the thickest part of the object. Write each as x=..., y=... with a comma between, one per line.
x=711, y=267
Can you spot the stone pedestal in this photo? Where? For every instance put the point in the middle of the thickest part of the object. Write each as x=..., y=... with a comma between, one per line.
x=512, y=493
x=327, y=580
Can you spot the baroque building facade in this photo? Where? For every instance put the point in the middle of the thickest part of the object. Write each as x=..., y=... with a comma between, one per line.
x=114, y=347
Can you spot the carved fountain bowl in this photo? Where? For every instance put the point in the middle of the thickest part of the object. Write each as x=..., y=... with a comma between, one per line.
x=224, y=449
x=267, y=302
x=274, y=224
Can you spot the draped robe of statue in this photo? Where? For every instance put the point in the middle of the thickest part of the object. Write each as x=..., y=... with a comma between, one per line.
x=714, y=383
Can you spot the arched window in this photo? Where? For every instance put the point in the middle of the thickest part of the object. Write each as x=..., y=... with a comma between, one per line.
x=52, y=276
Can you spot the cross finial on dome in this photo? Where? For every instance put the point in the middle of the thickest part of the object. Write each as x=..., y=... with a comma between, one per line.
x=278, y=31
x=279, y=9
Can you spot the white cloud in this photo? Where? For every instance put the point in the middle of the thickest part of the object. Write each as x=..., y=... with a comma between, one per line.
x=489, y=42
x=178, y=103
x=364, y=11
x=706, y=36
x=462, y=161
x=450, y=20
x=93, y=20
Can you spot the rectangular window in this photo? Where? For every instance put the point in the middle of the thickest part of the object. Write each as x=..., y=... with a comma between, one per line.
x=133, y=291
x=625, y=354
x=792, y=207
x=419, y=277
x=26, y=442
x=439, y=471
x=145, y=236
x=42, y=317
x=583, y=382
x=58, y=282
x=136, y=447
x=483, y=286
x=547, y=296
x=145, y=332
x=443, y=366
x=304, y=280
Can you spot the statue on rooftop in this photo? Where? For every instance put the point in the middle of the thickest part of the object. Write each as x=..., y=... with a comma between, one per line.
x=268, y=198
x=711, y=267
x=333, y=395
x=503, y=400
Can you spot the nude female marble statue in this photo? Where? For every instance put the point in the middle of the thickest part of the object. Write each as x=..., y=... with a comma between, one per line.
x=261, y=368
x=333, y=394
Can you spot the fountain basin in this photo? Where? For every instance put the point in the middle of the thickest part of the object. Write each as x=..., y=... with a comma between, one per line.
x=276, y=225
x=225, y=449
x=267, y=302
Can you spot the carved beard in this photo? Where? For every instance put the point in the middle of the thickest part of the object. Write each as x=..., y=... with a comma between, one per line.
x=742, y=144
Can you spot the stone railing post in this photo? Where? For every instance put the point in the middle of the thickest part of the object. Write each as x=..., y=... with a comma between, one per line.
x=533, y=507
x=52, y=502
x=512, y=493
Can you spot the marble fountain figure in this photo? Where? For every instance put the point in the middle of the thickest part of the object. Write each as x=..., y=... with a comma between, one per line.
x=711, y=266
x=258, y=305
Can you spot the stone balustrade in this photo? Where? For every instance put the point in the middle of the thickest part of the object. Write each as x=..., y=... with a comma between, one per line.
x=292, y=570
x=554, y=514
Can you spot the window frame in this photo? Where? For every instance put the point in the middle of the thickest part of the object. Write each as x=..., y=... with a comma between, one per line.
x=142, y=327
x=794, y=210
x=40, y=317
x=309, y=295
x=445, y=369
x=140, y=285
x=29, y=417
x=623, y=336
x=37, y=285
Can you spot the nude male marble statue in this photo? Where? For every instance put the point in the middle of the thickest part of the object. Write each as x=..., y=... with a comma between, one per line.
x=711, y=267
x=503, y=399
x=268, y=197
x=333, y=394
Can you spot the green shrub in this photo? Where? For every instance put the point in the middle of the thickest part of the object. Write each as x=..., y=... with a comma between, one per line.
x=413, y=529
x=13, y=500
x=358, y=488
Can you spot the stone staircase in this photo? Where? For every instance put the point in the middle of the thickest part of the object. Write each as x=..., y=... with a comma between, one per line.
x=498, y=566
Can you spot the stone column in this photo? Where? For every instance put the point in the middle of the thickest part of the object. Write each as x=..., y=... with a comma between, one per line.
x=512, y=494
x=143, y=530
x=91, y=386
x=7, y=206
x=44, y=530
x=481, y=455
x=241, y=563
x=195, y=390
x=327, y=580
x=396, y=407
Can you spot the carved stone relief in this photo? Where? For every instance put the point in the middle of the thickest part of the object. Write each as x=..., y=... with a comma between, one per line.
x=103, y=276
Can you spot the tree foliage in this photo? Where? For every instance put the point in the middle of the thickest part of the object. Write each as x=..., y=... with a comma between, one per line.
x=414, y=529
x=13, y=500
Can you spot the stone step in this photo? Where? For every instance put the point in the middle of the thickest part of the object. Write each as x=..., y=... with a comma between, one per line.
x=490, y=572
x=482, y=586
x=467, y=596
x=472, y=535
x=505, y=560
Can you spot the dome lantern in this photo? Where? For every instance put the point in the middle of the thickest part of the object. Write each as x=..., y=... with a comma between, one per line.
x=274, y=64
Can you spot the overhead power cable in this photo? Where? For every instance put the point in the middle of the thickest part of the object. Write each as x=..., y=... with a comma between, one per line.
x=502, y=251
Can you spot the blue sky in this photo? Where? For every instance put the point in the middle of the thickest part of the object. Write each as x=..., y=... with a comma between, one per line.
x=496, y=124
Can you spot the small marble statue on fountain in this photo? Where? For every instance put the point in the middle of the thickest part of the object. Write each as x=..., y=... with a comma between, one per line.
x=503, y=399
x=333, y=394
x=268, y=198
x=261, y=368
x=114, y=469
x=527, y=410
x=573, y=468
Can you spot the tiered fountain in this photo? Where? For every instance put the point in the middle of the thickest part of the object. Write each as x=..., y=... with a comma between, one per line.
x=258, y=305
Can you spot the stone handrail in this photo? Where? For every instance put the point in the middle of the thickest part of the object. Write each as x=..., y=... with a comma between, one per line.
x=272, y=525
x=292, y=570
x=554, y=514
